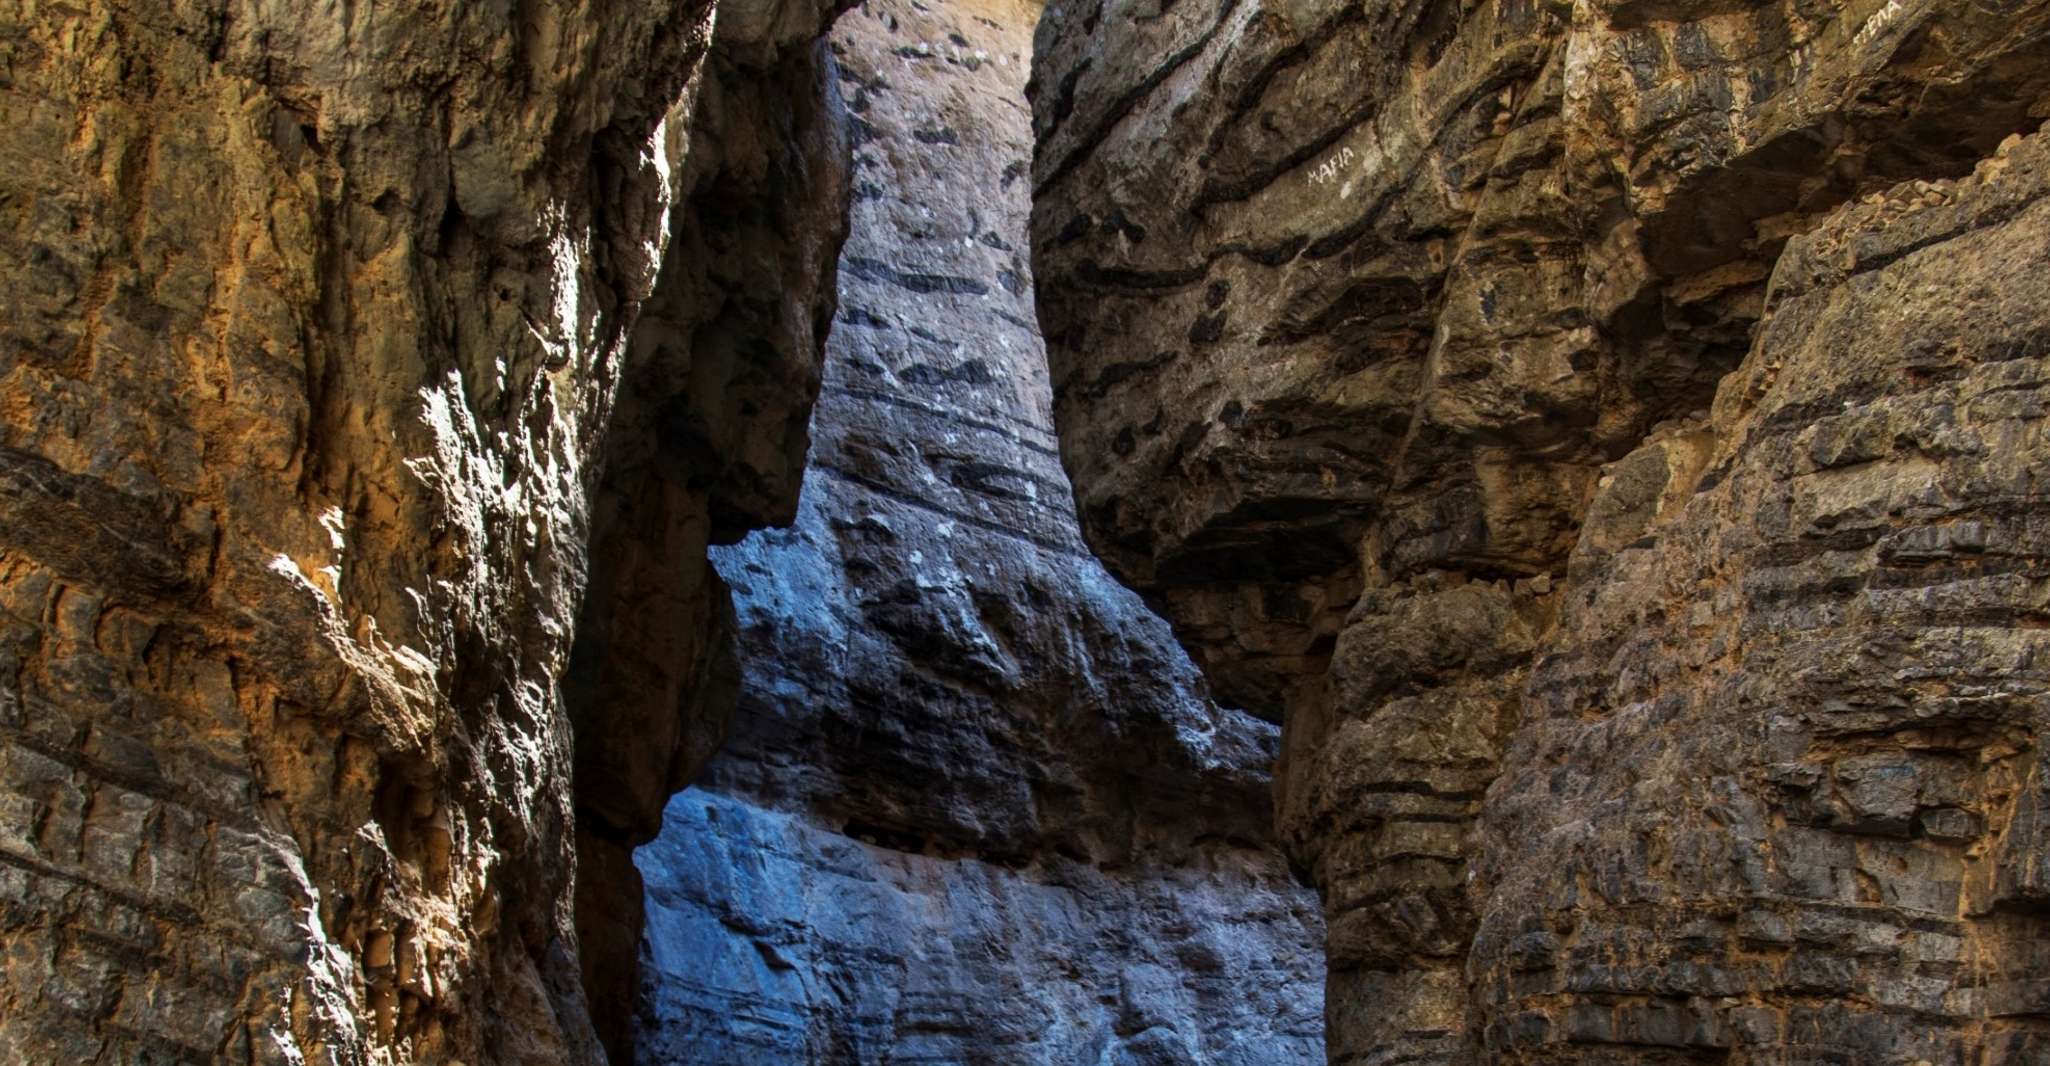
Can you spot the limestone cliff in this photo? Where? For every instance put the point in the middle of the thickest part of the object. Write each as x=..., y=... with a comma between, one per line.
x=978, y=807
x=1607, y=433
x=320, y=322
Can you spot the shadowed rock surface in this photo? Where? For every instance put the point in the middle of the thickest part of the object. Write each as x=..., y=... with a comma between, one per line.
x=317, y=319
x=977, y=807
x=1608, y=433
x=708, y=443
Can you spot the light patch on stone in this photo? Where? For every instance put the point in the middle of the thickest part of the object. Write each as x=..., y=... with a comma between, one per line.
x=326, y=982
x=332, y=521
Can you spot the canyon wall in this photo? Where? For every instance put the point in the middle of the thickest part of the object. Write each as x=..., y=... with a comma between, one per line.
x=978, y=807
x=320, y=323
x=1608, y=434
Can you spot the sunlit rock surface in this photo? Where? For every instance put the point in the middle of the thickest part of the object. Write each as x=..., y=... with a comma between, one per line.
x=1608, y=433
x=317, y=321
x=977, y=807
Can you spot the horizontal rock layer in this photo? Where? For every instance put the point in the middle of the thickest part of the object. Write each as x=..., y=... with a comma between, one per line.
x=775, y=937
x=1629, y=518
x=977, y=807
x=1778, y=785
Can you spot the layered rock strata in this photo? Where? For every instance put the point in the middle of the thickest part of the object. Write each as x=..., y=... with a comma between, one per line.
x=318, y=318
x=977, y=806
x=1604, y=432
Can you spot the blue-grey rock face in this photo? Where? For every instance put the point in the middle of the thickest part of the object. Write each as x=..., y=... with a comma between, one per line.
x=978, y=805
x=774, y=938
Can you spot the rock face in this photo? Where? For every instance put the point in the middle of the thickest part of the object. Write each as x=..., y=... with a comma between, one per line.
x=977, y=806
x=1608, y=433
x=316, y=316
x=1800, y=653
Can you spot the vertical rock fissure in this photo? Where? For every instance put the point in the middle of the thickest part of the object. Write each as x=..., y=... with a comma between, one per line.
x=976, y=805
x=707, y=442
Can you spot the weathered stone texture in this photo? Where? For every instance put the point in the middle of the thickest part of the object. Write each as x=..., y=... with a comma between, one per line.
x=314, y=319
x=1801, y=680
x=978, y=807
x=777, y=937
x=1385, y=339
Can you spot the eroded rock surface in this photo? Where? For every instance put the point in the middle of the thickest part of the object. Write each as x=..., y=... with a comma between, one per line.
x=977, y=806
x=1778, y=786
x=1630, y=717
x=315, y=319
